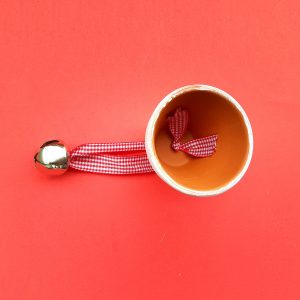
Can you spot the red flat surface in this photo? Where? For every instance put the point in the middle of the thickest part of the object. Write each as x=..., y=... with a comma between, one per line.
x=93, y=71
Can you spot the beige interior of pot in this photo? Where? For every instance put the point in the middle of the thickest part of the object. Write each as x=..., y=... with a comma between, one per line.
x=209, y=113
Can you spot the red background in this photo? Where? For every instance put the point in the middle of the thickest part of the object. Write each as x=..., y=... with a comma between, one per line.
x=93, y=71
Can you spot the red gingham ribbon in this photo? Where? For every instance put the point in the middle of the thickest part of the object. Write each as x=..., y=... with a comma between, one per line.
x=98, y=158
x=203, y=147
x=101, y=157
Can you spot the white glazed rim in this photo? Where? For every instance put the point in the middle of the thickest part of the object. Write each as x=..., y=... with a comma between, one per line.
x=150, y=148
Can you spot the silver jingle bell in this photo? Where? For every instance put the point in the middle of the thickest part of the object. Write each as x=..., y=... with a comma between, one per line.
x=52, y=158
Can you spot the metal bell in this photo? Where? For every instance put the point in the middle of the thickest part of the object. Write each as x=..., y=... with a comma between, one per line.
x=52, y=158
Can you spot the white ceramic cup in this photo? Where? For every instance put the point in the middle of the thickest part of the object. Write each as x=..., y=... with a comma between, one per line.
x=212, y=111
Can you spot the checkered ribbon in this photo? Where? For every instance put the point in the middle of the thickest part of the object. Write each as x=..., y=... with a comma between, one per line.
x=130, y=157
x=202, y=147
x=101, y=158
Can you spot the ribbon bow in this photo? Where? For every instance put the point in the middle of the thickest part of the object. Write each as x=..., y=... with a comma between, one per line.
x=202, y=147
x=132, y=157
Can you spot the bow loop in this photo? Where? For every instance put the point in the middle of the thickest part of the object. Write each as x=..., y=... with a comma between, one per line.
x=202, y=147
x=178, y=123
